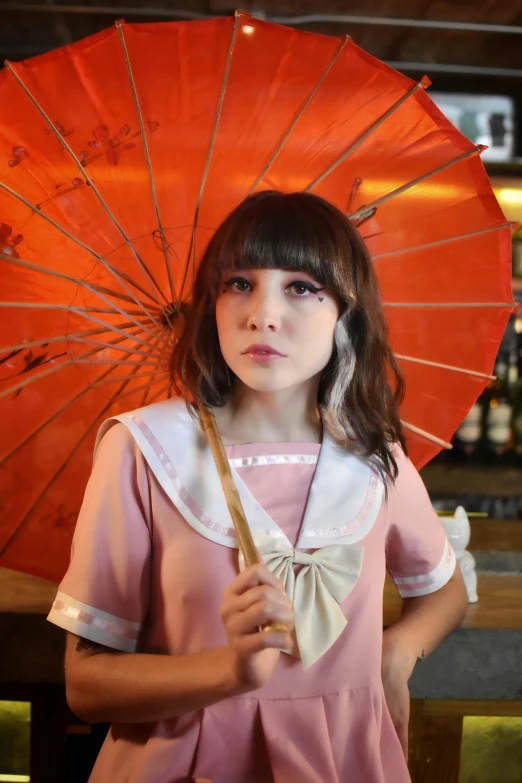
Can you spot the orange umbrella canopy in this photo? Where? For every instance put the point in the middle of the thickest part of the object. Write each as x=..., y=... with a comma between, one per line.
x=119, y=156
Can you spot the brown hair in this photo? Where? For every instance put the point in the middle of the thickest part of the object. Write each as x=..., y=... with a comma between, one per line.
x=302, y=232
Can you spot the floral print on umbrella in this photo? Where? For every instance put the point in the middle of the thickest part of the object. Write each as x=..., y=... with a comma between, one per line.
x=103, y=144
x=112, y=146
x=19, y=154
x=8, y=242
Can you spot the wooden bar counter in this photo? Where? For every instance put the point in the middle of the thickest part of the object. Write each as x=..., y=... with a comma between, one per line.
x=476, y=671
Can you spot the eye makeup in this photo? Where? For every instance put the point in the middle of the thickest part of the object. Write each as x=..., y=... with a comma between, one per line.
x=305, y=285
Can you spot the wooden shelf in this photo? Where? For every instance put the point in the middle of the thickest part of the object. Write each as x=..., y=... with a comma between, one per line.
x=498, y=605
x=498, y=169
x=448, y=479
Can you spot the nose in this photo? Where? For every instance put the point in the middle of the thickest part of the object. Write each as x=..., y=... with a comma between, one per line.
x=265, y=313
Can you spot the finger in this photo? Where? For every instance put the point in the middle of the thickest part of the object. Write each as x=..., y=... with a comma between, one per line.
x=240, y=603
x=259, y=614
x=251, y=577
x=263, y=640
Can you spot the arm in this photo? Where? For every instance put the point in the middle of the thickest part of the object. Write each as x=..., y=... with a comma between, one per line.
x=425, y=622
x=108, y=685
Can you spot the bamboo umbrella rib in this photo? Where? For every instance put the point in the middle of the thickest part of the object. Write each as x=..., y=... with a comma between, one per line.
x=78, y=310
x=511, y=305
x=154, y=380
x=445, y=241
x=299, y=114
x=117, y=295
x=408, y=185
x=107, y=327
x=139, y=388
x=123, y=297
x=121, y=36
x=34, y=378
x=112, y=269
x=145, y=270
x=50, y=340
x=427, y=435
x=51, y=418
x=159, y=393
x=51, y=273
x=148, y=354
x=424, y=82
x=144, y=399
x=153, y=377
x=64, y=337
x=62, y=467
x=115, y=362
x=81, y=359
x=450, y=367
x=161, y=373
x=64, y=407
x=152, y=306
x=130, y=335
x=210, y=150
x=150, y=374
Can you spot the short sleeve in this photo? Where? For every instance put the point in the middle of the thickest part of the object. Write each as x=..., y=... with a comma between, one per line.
x=419, y=557
x=105, y=593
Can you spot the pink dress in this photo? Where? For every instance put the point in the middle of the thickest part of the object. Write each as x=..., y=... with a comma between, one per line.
x=143, y=579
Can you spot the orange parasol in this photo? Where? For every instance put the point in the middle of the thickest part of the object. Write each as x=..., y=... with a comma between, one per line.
x=120, y=154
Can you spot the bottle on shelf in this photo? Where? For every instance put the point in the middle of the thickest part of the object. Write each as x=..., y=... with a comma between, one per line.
x=517, y=397
x=467, y=439
x=498, y=413
x=517, y=253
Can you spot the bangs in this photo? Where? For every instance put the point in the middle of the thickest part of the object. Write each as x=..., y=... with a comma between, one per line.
x=291, y=232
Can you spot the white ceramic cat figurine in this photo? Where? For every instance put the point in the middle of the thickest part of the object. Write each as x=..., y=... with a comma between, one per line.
x=458, y=531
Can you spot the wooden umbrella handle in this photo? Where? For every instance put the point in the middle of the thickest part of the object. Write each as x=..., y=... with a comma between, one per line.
x=244, y=534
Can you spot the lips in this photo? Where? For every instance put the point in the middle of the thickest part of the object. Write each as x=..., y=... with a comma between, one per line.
x=262, y=350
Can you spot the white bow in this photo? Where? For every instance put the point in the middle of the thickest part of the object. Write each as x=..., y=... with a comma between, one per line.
x=327, y=578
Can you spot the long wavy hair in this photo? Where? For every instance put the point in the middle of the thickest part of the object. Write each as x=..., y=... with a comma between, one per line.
x=361, y=387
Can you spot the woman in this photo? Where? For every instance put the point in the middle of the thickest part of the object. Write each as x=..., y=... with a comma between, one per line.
x=285, y=341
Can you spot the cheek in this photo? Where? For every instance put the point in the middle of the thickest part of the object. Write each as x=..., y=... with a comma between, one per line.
x=319, y=337
x=319, y=324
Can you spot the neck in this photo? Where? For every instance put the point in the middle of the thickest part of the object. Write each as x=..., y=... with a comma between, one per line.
x=291, y=415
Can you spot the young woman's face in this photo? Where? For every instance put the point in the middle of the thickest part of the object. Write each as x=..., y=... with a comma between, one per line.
x=288, y=313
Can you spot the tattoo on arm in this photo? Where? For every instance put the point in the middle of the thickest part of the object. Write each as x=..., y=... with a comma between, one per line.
x=421, y=658
x=86, y=644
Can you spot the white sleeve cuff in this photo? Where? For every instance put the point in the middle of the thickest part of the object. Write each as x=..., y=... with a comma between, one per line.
x=91, y=623
x=413, y=586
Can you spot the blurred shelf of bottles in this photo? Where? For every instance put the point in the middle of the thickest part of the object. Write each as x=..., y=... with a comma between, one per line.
x=517, y=259
x=491, y=433
x=503, y=507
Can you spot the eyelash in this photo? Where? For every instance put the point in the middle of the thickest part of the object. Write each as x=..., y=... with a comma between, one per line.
x=300, y=283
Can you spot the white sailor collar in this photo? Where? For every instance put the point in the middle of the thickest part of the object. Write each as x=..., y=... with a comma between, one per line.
x=342, y=507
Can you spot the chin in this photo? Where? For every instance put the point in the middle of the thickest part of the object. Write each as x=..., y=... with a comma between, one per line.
x=268, y=384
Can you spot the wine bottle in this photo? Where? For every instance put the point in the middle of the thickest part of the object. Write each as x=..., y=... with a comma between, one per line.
x=466, y=443
x=498, y=414
x=517, y=253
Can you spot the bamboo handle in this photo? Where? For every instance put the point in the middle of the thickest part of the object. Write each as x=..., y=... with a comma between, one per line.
x=244, y=534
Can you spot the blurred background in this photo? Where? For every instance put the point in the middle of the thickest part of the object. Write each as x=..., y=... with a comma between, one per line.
x=472, y=52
